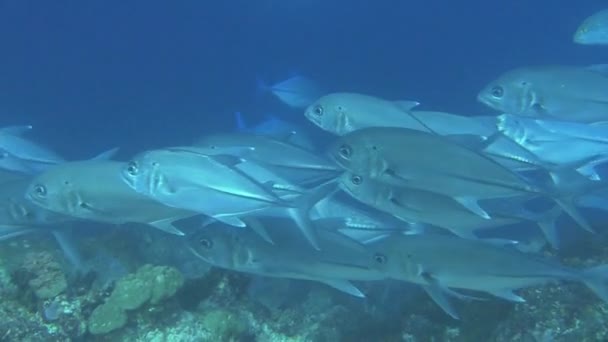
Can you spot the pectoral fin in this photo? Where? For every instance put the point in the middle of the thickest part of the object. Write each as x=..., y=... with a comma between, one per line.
x=508, y=295
x=344, y=286
x=471, y=204
x=166, y=225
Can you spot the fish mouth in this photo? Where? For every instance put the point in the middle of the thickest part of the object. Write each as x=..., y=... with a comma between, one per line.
x=580, y=39
x=33, y=199
x=28, y=197
x=313, y=118
x=198, y=255
x=337, y=160
x=579, y=36
x=128, y=179
x=485, y=100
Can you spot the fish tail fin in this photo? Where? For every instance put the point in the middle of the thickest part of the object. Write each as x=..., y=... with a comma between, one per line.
x=565, y=188
x=590, y=169
x=300, y=216
x=596, y=279
x=577, y=174
x=547, y=222
x=300, y=210
x=567, y=204
x=241, y=125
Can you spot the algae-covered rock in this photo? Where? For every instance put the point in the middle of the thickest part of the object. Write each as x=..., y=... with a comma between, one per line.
x=46, y=277
x=150, y=284
x=131, y=292
x=224, y=325
x=106, y=318
x=164, y=281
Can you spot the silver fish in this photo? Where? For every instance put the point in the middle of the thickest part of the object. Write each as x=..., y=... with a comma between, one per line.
x=338, y=212
x=561, y=92
x=414, y=205
x=291, y=162
x=410, y=158
x=547, y=130
x=94, y=190
x=220, y=186
x=342, y=113
x=189, y=179
x=340, y=261
x=414, y=159
x=593, y=30
x=444, y=263
x=267, y=151
x=18, y=216
x=558, y=143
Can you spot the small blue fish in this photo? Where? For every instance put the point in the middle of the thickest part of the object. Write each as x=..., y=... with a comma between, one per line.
x=593, y=30
x=296, y=92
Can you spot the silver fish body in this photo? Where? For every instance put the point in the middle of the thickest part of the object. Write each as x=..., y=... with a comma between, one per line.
x=443, y=263
x=339, y=261
x=94, y=190
x=561, y=92
x=410, y=158
x=593, y=30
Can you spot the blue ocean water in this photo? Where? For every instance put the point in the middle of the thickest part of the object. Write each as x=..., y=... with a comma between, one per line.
x=94, y=75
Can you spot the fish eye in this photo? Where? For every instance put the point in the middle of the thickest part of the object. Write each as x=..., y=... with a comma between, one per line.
x=206, y=243
x=40, y=190
x=497, y=91
x=132, y=168
x=356, y=180
x=345, y=151
x=380, y=258
x=318, y=110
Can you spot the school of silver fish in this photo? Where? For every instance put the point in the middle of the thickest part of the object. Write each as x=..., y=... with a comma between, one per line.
x=399, y=193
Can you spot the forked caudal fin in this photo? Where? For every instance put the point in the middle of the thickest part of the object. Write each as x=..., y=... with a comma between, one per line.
x=299, y=212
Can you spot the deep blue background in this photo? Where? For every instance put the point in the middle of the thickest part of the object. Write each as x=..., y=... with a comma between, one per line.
x=90, y=75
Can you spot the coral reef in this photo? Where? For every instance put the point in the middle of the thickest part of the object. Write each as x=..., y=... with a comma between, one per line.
x=43, y=275
x=150, y=284
x=156, y=303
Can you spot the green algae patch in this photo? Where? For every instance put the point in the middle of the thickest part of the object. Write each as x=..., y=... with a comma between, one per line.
x=131, y=292
x=106, y=318
x=165, y=281
x=225, y=325
x=149, y=285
